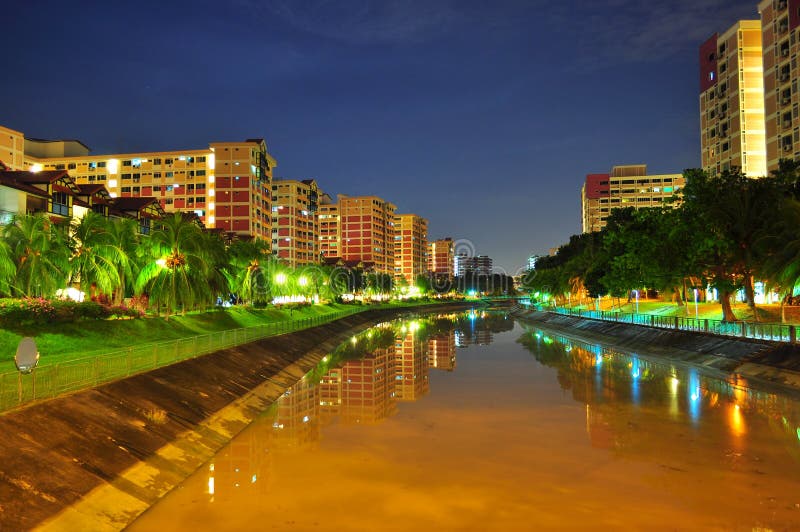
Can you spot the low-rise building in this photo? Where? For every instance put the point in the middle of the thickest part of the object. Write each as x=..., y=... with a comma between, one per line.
x=625, y=186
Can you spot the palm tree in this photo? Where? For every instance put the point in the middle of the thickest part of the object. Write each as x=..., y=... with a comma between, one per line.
x=175, y=265
x=41, y=252
x=125, y=236
x=251, y=265
x=8, y=269
x=95, y=256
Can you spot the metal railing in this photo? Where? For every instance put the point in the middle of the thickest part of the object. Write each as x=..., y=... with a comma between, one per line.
x=776, y=332
x=50, y=381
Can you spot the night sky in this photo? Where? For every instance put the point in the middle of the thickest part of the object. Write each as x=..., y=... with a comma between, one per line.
x=483, y=117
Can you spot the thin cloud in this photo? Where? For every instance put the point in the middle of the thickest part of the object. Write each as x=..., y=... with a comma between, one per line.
x=362, y=22
x=632, y=31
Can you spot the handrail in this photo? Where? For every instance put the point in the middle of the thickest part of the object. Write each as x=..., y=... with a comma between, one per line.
x=46, y=382
x=775, y=332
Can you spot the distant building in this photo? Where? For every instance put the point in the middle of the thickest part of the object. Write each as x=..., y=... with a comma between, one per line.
x=330, y=231
x=732, y=127
x=441, y=256
x=625, y=186
x=465, y=264
x=295, y=223
x=532, y=262
x=367, y=231
x=410, y=246
x=226, y=184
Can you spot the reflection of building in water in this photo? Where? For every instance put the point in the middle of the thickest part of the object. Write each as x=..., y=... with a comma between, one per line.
x=296, y=421
x=600, y=432
x=242, y=468
x=442, y=352
x=411, y=367
x=479, y=328
x=367, y=388
x=330, y=394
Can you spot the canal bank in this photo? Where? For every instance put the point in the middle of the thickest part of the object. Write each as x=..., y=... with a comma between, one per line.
x=771, y=363
x=98, y=458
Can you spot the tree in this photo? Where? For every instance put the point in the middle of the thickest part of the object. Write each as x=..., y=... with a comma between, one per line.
x=39, y=248
x=95, y=255
x=125, y=237
x=249, y=274
x=176, y=265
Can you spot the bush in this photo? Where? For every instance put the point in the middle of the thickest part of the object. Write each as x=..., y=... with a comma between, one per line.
x=39, y=311
x=26, y=311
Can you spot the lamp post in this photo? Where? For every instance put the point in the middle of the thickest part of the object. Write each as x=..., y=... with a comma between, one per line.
x=695, y=304
x=637, y=301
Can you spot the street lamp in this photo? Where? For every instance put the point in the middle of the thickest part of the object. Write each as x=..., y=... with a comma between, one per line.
x=280, y=278
x=637, y=301
x=695, y=305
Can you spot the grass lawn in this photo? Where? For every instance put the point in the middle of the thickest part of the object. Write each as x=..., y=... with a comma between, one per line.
x=62, y=342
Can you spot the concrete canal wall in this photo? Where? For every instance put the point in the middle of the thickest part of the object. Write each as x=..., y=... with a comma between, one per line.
x=96, y=459
x=768, y=362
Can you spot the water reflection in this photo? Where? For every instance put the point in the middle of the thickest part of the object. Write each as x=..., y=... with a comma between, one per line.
x=591, y=429
x=598, y=377
x=360, y=383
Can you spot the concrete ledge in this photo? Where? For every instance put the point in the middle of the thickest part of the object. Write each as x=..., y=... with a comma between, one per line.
x=772, y=363
x=96, y=459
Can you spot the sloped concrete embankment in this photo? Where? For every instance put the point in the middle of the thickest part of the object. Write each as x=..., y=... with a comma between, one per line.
x=767, y=362
x=96, y=459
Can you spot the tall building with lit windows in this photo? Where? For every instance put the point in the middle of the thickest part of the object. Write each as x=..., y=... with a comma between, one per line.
x=625, y=186
x=441, y=256
x=780, y=20
x=330, y=231
x=732, y=127
x=410, y=246
x=295, y=223
x=367, y=231
x=226, y=184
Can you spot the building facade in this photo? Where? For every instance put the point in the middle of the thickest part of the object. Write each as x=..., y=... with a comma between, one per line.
x=441, y=256
x=295, y=221
x=732, y=127
x=410, y=247
x=330, y=231
x=226, y=184
x=466, y=264
x=780, y=20
x=625, y=186
x=367, y=231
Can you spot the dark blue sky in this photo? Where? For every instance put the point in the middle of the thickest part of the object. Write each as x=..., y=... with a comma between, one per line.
x=483, y=116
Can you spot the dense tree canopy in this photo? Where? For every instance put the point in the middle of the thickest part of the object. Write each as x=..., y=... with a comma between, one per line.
x=727, y=231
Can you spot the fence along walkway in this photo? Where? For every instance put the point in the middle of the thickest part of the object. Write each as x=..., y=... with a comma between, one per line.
x=776, y=332
x=51, y=381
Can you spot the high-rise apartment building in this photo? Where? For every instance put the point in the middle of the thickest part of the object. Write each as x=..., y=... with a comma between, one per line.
x=480, y=264
x=330, y=231
x=410, y=246
x=780, y=20
x=441, y=256
x=295, y=223
x=226, y=184
x=367, y=231
x=625, y=186
x=732, y=128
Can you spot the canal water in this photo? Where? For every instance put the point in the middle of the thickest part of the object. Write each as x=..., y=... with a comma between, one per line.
x=471, y=421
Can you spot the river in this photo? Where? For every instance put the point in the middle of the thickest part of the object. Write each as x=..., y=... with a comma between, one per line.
x=472, y=421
